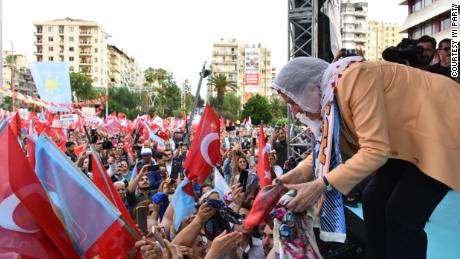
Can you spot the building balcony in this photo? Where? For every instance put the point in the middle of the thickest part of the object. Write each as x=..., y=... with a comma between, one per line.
x=224, y=53
x=85, y=53
x=38, y=43
x=38, y=33
x=360, y=30
x=361, y=14
x=360, y=40
x=85, y=62
x=38, y=53
x=85, y=43
x=85, y=33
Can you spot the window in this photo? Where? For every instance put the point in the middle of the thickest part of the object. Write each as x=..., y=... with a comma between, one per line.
x=50, y=28
x=428, y=28
x=71, y=49
x=71, y=58
x=95, y=69
x=417, y=33
x=50, y=58
x=95, y=59
x=50, y=39
x=71, y=28
x=417, y=5
x=61, y=29
x=71, y=69
x=445, y=23
x=95, y=50
x=95, y=40
x=71, y=39
x=50, y=48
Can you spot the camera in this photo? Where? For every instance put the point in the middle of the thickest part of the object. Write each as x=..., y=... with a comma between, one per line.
x=350, y=53
x=404, y=53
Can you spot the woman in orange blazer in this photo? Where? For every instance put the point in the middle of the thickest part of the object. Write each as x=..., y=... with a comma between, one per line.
x=398, y=122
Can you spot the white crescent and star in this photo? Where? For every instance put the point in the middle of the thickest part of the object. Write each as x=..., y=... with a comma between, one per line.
x=267, y=174
x=204, y=146
x=7, y=207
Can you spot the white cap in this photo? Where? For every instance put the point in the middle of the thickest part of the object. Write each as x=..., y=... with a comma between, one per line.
x=146, y=151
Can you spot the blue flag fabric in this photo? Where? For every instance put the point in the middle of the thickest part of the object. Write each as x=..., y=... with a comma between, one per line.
x=53, y=81
x=183, y=204
x=85, y=211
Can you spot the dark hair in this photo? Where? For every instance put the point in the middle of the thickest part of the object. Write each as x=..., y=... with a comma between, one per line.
x=69, y=144
x=204, y=186
x=426, y=38
x=446, y=40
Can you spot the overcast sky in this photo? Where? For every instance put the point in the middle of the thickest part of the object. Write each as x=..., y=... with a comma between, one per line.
x=176, y=35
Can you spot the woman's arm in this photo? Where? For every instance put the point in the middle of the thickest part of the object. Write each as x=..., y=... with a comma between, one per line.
x=362, y=91
x=300, y=174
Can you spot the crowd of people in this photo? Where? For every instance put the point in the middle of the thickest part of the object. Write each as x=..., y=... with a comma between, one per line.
x=151, y=178
x=373, y=133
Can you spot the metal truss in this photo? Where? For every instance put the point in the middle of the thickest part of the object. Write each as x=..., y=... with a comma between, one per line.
x=302, y=41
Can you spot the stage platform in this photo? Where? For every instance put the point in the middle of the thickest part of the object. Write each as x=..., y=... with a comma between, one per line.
x=443, y=228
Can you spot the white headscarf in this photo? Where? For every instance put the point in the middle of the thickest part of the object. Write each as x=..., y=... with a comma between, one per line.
x=310, y=83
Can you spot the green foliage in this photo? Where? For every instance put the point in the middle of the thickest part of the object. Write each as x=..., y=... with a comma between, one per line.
x=279, y=108
x=281, y=122
x=82, y=85
x=7, y=103
x=11, y=59
x=259, y=109
x=231, y=107
x=221, y=86
x=123, y=100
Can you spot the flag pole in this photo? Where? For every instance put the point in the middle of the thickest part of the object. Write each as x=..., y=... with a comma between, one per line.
x=126, y=223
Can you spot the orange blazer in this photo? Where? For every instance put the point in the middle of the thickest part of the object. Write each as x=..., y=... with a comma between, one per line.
x=395, y=111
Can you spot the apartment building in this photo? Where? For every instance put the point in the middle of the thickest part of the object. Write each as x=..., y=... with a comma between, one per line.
x=248, y=65
x=353, y=24
x=123, y=70
x=427, y=17
x=84, y=46
x=380, y=36
x=22, y=79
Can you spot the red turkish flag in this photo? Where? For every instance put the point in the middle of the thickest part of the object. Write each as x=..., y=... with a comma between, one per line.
x=125, y=241
x=263, y=164
x=15, y=125
x=28, y=226
x=265, y=201
x=204, y=152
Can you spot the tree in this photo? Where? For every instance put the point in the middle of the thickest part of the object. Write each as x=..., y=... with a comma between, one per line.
x=221, y=86
x=121, y=99
x=7, y=103
x=279, y=108
x=82, y=85
x=231, y=107
x=258, y=108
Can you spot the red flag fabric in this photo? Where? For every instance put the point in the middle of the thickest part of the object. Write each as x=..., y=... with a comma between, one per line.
x=28, y=224
x=124, y=239
x=204, y=152
x=15, y=125
x=31, y=152
x=78, y=150
x=263, y=164
x=265, y=201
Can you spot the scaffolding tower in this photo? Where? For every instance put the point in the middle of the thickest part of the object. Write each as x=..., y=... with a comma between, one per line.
x=302, y=41
x=308, y=35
